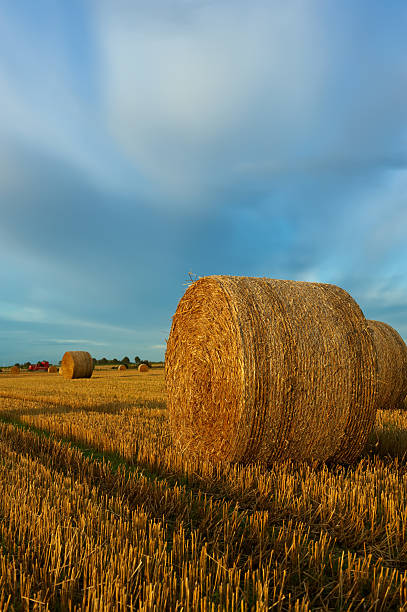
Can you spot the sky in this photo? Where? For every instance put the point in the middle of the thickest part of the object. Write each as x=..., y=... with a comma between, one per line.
x=143, y=141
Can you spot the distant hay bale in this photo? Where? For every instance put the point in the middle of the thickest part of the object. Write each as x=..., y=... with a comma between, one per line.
x=52, y=369
x=391, y=364
x=260, y=369
x=122, y=368
x=15, y=369
x=77, y=364
x=143, y=367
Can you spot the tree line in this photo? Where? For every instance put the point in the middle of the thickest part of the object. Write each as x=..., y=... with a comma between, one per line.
x=125, y=361
x=104, y=361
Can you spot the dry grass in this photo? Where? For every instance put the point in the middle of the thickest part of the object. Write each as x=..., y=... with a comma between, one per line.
x=150, y=527
x=265, y=369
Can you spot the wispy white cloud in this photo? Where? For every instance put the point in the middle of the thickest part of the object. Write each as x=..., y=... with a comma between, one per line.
x=22, y=314
x=192, y=93
x=83, y=342
x=26, y=314
x=208, y=97
x=43, y=110
x=158, y=346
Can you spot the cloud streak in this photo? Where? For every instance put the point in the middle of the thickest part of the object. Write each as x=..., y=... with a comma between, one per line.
x=214, y=94
x=83, y=342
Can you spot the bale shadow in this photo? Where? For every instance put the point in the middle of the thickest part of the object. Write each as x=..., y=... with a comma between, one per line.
x=113, y=407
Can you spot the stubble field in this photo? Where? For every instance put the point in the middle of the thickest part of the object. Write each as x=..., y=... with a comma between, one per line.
x=99, y=511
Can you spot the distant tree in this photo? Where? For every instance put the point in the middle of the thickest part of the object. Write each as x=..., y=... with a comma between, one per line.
x=115, y=360
x=103, y=360
x=137, y=360
x=125, y=360
x=27, y=364
x=148, y=363
x=17, y=364
x=94, y=361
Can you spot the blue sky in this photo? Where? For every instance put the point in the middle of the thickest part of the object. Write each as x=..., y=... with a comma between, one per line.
x=143, y=140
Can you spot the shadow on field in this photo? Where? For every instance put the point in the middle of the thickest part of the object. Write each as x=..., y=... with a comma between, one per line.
x=389, y=435
x=51, y=407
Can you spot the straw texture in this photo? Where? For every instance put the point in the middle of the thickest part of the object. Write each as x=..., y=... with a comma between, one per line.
x=52, y=369
x=391, y=364
x=77, y=364
x=265, y=369
x=15, y=369
x=143, y=367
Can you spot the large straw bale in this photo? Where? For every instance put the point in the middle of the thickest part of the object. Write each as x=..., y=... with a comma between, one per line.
x=391, y=364
x=15, y=369
x=52, y=369
x=143, y=367
x=265, y=369
x=77, y=364
x=122, y=367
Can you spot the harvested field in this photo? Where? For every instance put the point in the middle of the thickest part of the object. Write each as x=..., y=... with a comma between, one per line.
x=109, y=510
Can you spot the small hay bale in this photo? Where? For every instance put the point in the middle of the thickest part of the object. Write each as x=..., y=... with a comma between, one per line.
x=52, y=369
x=143, y=367
x=122, y=368
x=391, y=354
x=77, y=364
x=15, y=369
x=260, y=369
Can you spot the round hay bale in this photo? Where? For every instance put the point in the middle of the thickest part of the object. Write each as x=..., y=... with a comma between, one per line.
x=143, y=367
x=52, y=369
x=77, y=364
x=260, y=369
x=391, y=354
x=122, y=368
x=15, y=369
